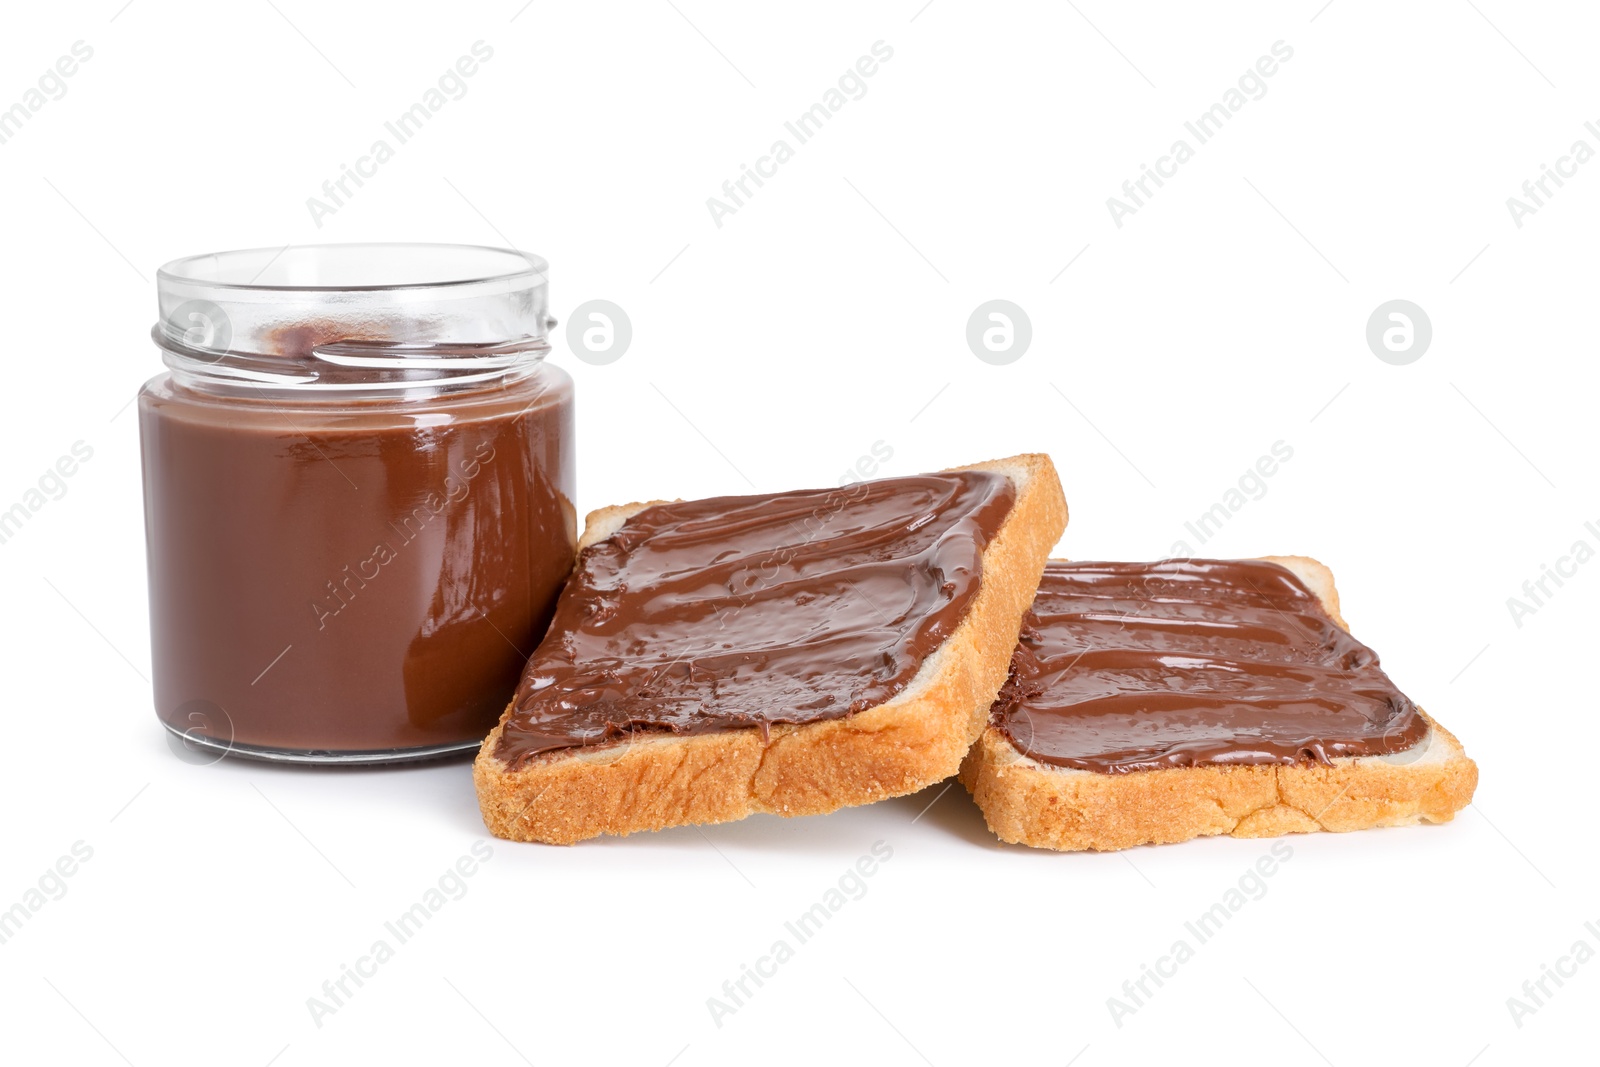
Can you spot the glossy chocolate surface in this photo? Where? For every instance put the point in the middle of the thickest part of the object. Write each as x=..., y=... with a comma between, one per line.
x=750, y=611
x=363, y=579
x=1181, y=663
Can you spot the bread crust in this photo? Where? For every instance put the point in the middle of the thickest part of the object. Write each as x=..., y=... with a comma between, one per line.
x=898, y=747
x=1031, y=803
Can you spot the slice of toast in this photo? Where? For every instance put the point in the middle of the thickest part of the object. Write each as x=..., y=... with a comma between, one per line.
x=1044, y=805
x=652, y=779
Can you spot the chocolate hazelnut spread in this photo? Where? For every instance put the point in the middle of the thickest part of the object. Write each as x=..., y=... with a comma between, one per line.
x=354, y=582
x=358, y=475
x=749, y=611
x=1127, y=667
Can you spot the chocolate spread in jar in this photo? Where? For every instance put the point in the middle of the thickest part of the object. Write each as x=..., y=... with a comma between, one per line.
x=1138, y=666
x=362, y=579
x=710, y=615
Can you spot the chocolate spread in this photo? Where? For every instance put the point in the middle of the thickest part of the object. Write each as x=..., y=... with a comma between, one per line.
x=747, y=611
x=361, y=580
x=1181, y=663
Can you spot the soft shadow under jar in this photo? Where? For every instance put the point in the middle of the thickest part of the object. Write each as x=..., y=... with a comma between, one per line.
x=358, y=481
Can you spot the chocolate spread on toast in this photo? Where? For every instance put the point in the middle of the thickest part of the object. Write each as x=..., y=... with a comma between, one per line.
x=1181, y=663
x=750, y=611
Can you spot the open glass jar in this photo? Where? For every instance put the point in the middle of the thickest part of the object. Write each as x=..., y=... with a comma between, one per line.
x=358, y=479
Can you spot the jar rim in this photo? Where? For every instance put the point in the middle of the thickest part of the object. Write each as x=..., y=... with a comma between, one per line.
x=332, y=260
x=358, y=319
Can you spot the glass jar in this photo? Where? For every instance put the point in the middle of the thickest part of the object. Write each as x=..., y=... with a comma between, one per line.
x=358, y=482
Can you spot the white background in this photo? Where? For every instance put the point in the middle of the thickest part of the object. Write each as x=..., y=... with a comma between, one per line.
x=828, y=314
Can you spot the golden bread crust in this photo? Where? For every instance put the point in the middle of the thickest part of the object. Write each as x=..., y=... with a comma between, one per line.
x=895, y=748
x=1031, y=803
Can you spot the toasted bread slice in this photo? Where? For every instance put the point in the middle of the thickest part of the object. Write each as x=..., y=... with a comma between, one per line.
x=1029, y=802
x=917, y=737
